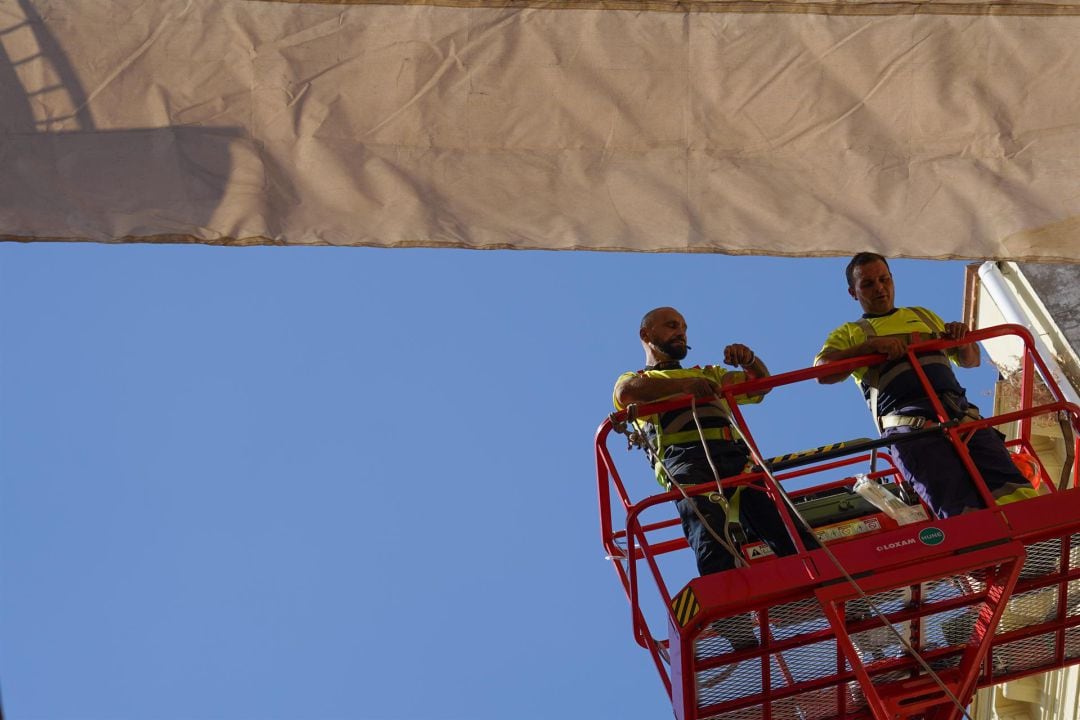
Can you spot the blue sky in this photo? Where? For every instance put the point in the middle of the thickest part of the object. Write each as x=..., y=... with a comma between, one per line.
x=321, y=483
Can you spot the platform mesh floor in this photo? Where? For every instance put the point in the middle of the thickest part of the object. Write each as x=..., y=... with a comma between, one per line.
x=799, y=672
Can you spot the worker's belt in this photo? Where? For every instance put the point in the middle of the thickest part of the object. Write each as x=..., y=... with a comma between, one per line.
x=913, y=421
x=918, y=422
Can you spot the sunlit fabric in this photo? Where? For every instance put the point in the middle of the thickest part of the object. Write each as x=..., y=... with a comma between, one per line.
x=782, y=128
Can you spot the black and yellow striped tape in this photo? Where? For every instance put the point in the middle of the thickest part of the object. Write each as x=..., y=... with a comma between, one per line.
x=685, y=606
x=806, y=453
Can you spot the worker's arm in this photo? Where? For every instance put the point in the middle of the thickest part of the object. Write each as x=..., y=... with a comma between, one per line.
x=645, y=389
x=891, y=347
x=966, y=355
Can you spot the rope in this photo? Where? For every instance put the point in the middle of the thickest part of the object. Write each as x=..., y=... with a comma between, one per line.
x=757, y=458
x=638, y=439
x=740, y=561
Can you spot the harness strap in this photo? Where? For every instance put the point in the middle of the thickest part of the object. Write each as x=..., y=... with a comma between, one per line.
x=918, y=423
x=675, y=420
x=680, y=438
x=970, y=414
x=681, y=429
x=925, y=317
x=874, y=380
x=690, y=436
x=735, y=528
x=871, y=376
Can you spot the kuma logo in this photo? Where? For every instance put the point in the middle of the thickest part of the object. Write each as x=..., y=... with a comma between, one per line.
x=931, y=536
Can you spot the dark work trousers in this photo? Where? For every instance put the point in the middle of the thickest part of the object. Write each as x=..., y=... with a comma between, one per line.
x=934, y=469
x=689, y=466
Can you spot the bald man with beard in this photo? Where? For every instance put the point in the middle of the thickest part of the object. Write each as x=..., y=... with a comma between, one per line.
x=663, y=338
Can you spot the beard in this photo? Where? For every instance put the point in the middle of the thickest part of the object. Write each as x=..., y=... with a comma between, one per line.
x=675, y=352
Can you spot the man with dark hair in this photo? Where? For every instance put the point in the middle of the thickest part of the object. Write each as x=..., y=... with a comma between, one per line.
x=675, y=437
x=899, y=403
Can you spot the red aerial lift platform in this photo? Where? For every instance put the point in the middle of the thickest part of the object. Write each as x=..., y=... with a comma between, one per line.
x=888, y=621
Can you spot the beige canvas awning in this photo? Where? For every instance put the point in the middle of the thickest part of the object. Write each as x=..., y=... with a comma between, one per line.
x=922, y=129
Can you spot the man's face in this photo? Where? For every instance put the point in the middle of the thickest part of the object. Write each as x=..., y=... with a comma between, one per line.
x=873, y=287
x=667, y=333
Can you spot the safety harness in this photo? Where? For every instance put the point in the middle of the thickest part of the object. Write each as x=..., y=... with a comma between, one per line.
x=678, y=427
x=880, y=376
x=697, y=425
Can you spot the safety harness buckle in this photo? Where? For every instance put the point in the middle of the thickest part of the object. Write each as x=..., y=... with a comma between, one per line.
x=915, y=422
